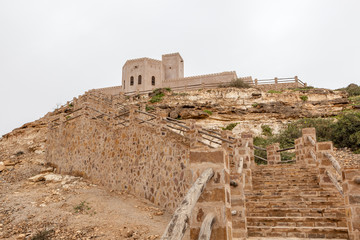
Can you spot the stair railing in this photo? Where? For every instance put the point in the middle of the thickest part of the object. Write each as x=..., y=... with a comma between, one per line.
x=206, y=227
x=179, y=222
x=337, y=168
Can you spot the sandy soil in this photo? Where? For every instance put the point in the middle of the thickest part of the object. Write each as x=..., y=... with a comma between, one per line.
x=71, y=208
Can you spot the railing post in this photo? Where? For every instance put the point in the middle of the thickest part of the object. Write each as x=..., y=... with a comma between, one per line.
x=273, y=156
x=351, y=188
x=216, y=197
x=296, y=79
x=241, y=178
x=324, y=163
x=256, y=82
x=193, y=134
x=309, y=144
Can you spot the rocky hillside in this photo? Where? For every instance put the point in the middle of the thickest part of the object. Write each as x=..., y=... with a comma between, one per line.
x=62, y=207
x=250, y=107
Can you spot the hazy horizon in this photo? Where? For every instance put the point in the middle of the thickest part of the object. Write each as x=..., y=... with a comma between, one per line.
x=52, y=51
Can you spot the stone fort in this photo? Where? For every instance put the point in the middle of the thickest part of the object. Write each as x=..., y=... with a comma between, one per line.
x=143, y=75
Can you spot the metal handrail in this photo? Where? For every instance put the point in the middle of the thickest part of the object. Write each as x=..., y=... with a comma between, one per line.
x=214, y=136
x=285, y=149
x=261, y=158
x=259, y=148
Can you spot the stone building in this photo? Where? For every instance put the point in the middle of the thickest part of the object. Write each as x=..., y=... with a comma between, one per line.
x=145, y=74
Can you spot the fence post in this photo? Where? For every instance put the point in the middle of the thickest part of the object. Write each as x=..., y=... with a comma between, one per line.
x=216, y=197
x=273, y=156
x=308, y=144
x=324, y=162
x=256, y=82
x=240, y=179
x=351, y=188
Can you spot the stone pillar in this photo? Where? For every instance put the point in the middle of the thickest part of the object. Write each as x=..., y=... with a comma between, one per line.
x=216, y=196
x=299, y=150
x=276, y=81
x=256, y=82
x=296, y=79
x=308, y=146
x=193, y=134
x=323, y=162
x=237, y=182
x=273, y=156
x=351, y=188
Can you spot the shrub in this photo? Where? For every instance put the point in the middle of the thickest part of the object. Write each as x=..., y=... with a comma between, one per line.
x=353, y=90
x=208, y=112
x=43, y=235
x=274, y=91
x=287, y=136
x=149, y=108
x=304, y=98
x=237, y=83
x=355, y=99
x=266, y=130
x=346, y=131
x=304, y=89
x=230, y=126
x=255, y=105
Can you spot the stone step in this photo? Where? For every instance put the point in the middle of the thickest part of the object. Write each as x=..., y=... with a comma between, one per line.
x=338, y=212
x=284, y=186
x=286, y=238
x=297, y=221
x=285, y=179
x=299, y=232
x=292, y=198
x=295, y=192
x=289, y=204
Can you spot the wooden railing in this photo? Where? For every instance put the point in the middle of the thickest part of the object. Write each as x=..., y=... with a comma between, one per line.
x=276, y=81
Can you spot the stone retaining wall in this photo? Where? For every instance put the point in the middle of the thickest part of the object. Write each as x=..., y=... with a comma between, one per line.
x=151, y=163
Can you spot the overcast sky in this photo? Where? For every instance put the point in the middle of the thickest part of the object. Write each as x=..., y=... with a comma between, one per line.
x=51, y=51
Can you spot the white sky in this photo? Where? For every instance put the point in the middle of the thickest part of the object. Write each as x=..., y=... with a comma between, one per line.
x=51, y=51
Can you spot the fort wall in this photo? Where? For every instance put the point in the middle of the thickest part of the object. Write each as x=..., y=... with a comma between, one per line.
x=140, y=159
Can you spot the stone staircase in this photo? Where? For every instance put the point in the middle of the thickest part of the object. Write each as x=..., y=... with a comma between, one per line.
x=287, y=201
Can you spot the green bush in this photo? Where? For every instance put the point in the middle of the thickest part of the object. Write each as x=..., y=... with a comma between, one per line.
x=304, y=89
x=149, y=108
x=266, y=130
x=255, y=105
x=274, y=91
x=353, y=90
x=346, y=131
x=304, y=98
x=237, y=83
x=230, y=126
x=208, y=112
x=343, y=132
x=157, y=98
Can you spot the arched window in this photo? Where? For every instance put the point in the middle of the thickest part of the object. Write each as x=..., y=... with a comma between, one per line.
x=139, y=79
x=131, y=80
x=153, y=80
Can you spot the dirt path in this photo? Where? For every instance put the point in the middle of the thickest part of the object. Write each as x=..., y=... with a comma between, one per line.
x=72, y=208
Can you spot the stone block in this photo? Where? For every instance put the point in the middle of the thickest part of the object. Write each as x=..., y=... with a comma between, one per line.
x=324, y=146
x=213, y=156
